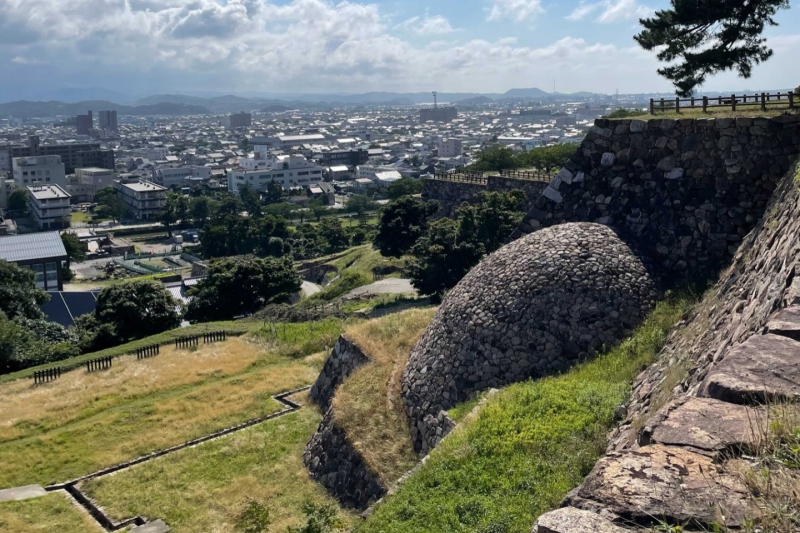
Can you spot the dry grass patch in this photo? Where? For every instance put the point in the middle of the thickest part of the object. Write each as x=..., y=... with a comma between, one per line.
x=29, y=409
x=91, y=421
x=53, y=512
x=367, y=405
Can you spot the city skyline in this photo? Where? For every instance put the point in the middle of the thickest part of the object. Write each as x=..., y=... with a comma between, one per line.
x=143, y=47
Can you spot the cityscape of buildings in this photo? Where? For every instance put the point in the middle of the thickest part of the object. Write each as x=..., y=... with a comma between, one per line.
x=65, y=161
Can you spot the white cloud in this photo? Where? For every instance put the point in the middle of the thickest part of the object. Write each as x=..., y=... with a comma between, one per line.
x=435, y=25
x=517, y=10
x=611, y=11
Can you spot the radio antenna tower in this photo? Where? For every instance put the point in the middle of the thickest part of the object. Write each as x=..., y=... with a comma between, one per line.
x=435, y=105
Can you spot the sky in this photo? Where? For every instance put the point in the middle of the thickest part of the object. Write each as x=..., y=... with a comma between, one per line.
x=141, y=47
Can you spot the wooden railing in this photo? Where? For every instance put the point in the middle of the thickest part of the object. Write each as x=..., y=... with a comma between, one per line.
x=763, y=100
x=465, y=177
x=530, y=175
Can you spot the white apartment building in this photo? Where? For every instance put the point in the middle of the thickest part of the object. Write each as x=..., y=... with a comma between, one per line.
x=49, y=206
x=450, y=148
x=263, y=145
x=290, y=172
x=144, y=199
x=40, y=169
x=87, y=181
x=370, y=171
x=176, y=176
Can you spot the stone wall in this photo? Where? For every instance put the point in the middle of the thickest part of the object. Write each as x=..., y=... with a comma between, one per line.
x=344, y=358
x=535, y=307
x=333, y=461
x=702, y=400
x=451, y=194
x=330, y=457
x=683, y=192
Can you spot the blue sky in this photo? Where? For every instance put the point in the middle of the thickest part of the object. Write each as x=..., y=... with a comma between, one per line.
x=141, y=47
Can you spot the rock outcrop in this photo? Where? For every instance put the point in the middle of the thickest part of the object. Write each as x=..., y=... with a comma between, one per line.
x=535, y=307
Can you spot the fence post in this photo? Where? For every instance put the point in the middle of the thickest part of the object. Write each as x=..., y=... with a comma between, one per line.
x=678, y=105
x=763, y=102
x=791, y=100
x=733, y=102
x=662, y=105
x=652, y=107
x=705, y=104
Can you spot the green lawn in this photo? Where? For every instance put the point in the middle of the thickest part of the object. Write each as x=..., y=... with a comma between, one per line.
x=80, y=216
x=204, y=488
x=530, y=444
x=53, y=512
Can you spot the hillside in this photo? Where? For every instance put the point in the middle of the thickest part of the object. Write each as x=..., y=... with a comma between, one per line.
x=25, y=109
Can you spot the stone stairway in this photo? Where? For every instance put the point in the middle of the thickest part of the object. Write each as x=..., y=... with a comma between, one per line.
x=677, y=472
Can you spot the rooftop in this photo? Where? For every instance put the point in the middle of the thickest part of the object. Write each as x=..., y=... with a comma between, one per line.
x=30, y=246
x=144, y=186
x=48, y=192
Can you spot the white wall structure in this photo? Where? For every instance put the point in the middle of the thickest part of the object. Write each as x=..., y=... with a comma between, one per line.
x=49, y=206
x=289, y=171
x=40, y=169
x=169, y=176
x=450, y=148
x=144, y=199
x=87, y=181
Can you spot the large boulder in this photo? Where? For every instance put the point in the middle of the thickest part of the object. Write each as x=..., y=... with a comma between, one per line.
x=535, y=307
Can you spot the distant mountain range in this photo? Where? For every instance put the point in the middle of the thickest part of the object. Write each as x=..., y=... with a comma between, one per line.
x=182, y=104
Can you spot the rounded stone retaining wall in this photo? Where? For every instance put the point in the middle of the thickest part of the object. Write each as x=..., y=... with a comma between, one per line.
x=344, y=358
x=535, y=307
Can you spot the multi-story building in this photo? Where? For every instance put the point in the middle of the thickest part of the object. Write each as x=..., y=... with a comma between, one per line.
x=283, y=142
x=450, y=148
x=290, y=172
x=87, y=181
x=49, y=206
x=108, y=120
x=84, y=123
x=73, y=155
x=350, y=158
x=145, y=200
x=170, y=176
x=438, y=114
x=240, y=120
x=39, y=170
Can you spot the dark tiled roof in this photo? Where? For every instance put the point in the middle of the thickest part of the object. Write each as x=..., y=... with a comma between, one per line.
x=31, y=246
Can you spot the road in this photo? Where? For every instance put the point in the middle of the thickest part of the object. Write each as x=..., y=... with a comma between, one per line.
x=384, y=286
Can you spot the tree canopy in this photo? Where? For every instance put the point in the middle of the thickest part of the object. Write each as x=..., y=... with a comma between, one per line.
x=19, y=297
x=401, y=225
x=404, y=187
x=709, y=36
x=241, y=285
x=136, y=309
x=18, y=199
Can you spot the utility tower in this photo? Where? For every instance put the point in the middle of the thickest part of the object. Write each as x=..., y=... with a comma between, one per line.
x=435, y=105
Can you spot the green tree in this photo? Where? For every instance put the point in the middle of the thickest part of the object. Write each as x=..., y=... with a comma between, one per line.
x=251, y=200
x=495, y=158
x=318, y=208
x=107, y=197
x=76, y=250
x=333, y=233
x=274, y=192
x=360, y=204
x=241, y=285
x=402, y=223
x=19, y=297
x=495, y=216
x=404, y=187
x=200, y=209
x=18, y=199
x=708, y=37
x=136, y=309
x=547, y=158
x=169, y=215
x=15, y=343
x=442, y=258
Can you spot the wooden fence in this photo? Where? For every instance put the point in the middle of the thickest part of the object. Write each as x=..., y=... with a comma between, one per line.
x=148, y=351
x=214, y=336
x=45, y=376
x=102, y=363
x=187, y=342
x=705, y=103
x=194, y=340
x=530, y=175
x=466, y=177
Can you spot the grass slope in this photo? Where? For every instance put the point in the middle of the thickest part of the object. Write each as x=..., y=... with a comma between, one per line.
x=48, y=513
x=528, y=446
x=367, y=405
x=204, y=488
x=83, y=422
x=355, y=268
